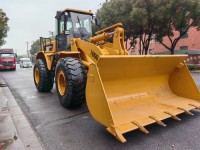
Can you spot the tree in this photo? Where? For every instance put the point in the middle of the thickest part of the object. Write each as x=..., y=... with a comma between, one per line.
x=109, y=16
x=181, y=15
x=18, y=58
x=139, y=18
x=147, y=14
x=35, y=47
x=145, y=18
x=3, y=27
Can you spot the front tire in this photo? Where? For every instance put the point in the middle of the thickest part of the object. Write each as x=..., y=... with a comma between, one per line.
x=70, y=82
x=43, y=78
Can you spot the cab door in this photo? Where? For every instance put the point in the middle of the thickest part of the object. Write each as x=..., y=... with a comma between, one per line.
x=64, y=29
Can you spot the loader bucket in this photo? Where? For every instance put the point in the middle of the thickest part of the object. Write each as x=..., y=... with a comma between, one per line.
x=125, y=93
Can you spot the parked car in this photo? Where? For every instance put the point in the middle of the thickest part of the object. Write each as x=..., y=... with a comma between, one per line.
x=25, y=63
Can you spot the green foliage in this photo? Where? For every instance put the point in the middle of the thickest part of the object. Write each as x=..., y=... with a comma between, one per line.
x=147, y=14
x=3, y=27
x=109, y=15
x=144, y=19
x=139, y=18
x=180, y=16
x=35, y=47
x=18, y=58
x=191, y=67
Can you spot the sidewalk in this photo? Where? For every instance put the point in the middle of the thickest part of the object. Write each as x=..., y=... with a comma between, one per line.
x=15, y=131
x=195, y=71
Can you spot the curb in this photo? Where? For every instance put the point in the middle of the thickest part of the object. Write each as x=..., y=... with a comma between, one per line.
x=20, y=132
x=195, y=71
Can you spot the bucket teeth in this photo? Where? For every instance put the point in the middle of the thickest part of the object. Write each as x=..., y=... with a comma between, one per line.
x=159, y=122
x=186, y=111
x=141, y=128
x=196, y=107
x=173, y=116
x=115, y=132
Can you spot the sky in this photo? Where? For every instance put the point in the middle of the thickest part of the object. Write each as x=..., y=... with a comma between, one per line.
x=31, y=19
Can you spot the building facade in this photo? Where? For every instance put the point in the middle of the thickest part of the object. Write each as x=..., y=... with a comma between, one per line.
x=188, y=44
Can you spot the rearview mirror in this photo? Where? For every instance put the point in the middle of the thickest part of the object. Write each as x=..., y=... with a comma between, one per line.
x=97, y=21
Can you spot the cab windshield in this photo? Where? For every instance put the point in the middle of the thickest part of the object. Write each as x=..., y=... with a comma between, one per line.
x=7, y=55
x=26, y=60
x=81, y=24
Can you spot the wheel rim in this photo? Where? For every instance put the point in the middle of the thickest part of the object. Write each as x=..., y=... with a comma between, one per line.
x=37, y=75
x=61, y=83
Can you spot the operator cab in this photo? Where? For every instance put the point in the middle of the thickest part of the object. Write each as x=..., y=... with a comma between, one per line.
x=72, y=24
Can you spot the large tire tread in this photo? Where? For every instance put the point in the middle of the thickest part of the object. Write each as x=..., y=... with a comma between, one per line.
x=75, y=72
x=46, y=78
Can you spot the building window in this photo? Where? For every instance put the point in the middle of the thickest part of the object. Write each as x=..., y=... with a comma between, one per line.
x=150, y=51
x=183, y=47
x=184, y=36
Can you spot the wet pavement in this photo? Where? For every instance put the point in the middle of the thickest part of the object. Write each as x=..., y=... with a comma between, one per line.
x=15, y=131
x=196, y=76
x=8, y=135
x=60, y=128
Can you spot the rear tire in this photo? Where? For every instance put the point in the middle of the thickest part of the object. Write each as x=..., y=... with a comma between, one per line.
x=70, y=82
x=43, y=78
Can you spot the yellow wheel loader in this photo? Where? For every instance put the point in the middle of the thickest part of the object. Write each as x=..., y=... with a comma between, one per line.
x=122, y=92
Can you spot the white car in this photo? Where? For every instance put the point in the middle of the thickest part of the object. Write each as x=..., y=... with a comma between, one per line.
x=25, y=63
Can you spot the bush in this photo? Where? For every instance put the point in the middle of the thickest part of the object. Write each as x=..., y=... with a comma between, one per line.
x=191, y=67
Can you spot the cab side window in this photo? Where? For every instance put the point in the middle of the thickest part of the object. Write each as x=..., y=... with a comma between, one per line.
x=62, y=24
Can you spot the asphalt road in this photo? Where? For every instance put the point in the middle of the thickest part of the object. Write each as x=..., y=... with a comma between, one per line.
x=61, y=129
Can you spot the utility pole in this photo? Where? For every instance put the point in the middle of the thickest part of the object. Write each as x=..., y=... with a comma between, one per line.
x=27, y=49
x=30, y=51
x=51, y=33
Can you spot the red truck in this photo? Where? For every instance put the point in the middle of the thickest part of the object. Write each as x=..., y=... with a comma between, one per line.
x=7, y=59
